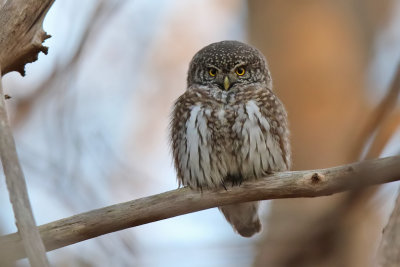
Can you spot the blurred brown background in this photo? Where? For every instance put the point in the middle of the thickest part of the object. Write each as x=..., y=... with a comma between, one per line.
x=91, y=122
x=320, y=53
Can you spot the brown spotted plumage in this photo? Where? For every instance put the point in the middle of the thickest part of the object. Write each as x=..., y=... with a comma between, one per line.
x=229, y=126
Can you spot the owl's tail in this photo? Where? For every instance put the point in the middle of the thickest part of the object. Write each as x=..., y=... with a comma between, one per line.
x=243, y=217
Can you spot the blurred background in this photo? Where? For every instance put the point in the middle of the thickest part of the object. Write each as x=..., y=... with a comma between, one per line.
x=91, y=124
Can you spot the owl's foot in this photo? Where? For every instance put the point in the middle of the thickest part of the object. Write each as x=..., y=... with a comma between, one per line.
x=223, y=185
x=236, y=180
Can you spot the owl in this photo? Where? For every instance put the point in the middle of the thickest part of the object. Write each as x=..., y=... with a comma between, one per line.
x=229, y=126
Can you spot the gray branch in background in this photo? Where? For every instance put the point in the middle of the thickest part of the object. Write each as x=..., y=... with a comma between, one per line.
x=310, y=183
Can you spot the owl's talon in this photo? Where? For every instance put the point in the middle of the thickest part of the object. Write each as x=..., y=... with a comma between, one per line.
x=223, y=185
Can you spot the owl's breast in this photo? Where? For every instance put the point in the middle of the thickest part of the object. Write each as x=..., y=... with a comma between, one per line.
x=220, y=139
x=213, y=140
x=255, y=142
x=200, y=146
x=243, y=140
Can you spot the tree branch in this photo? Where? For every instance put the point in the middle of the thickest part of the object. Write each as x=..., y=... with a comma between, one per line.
x=21, y=33
x=389, y=254
x=377, y=117
x=18, y=192
x=310, y=183
x=21, y=37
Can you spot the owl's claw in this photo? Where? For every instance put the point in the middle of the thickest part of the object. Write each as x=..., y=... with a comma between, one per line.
x=236, y=180
x=223, y=185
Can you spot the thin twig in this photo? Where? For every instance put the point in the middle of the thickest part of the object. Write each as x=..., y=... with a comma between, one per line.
x=16, y=185
x=311, y=183
x=382, y=124
x=382, y=110
x=381, y=127
x=386, y=131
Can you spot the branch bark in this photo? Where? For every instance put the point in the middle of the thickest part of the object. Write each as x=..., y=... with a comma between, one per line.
x=389, y=254
x=310, y=183
x=21, y=33
x=18, y=192
x=21, y=37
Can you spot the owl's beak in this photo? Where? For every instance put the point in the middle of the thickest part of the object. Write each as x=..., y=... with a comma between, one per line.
x=227, y=83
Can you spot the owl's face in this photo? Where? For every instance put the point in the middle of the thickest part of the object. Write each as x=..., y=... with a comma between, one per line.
x=228, y=65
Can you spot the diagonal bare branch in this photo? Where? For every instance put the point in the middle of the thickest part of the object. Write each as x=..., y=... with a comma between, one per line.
x=21, y=38
x=389, y=126
x=384, y=108
x=18, y=192
x=310, y=183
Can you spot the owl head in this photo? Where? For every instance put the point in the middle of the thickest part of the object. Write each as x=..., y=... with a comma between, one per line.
x=228, y=65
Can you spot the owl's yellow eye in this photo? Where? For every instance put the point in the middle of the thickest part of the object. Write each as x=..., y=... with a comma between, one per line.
x=212, y=72
x=240, y=71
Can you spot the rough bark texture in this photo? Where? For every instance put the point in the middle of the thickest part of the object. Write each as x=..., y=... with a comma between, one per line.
x=311, y=183
x=21, y=37
x=21, y=33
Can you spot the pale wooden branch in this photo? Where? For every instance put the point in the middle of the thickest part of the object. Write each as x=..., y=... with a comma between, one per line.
x=389, y=253
x=21, y=37
x=18, y=192
x=21, y=33
x=310, y=183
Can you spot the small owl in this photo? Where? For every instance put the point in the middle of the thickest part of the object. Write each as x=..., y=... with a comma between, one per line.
x=229, y=126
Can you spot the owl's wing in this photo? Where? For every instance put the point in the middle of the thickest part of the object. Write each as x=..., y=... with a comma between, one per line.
x=273, y=110
x=180, y=114
x=189, y=136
